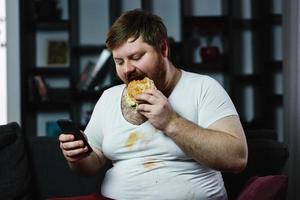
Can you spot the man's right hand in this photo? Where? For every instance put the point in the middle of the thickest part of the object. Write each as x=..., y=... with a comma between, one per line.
x=73, y=150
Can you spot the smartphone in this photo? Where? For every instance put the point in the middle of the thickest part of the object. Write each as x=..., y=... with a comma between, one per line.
x=69, y=127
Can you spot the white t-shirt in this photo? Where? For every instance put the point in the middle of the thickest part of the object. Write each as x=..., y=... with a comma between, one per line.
x=147, y=164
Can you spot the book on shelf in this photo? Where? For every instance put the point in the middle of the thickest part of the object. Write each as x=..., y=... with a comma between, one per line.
x=90, y=75
x=85, y=75
x=41, y=87
x=52, y=129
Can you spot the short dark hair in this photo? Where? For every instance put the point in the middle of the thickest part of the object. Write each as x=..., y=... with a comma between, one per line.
x=136, y=23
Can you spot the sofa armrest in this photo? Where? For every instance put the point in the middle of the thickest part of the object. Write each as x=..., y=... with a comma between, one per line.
x=51, y=173
x=267, y=156
x=265, y=188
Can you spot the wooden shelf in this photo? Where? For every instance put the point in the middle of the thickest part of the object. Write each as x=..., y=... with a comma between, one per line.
x=58, y=99
x=205, y=21
x=274, y=19
x=205, y=24
x=87, y=49
x=247, y=23
x=276, y=99
x=50, y=71
x=61, y=25
x=49, y=106
x=269, y=20
x=251, y=79
x=275, y=66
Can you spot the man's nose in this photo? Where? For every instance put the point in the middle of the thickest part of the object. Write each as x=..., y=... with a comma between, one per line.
x=129, y=68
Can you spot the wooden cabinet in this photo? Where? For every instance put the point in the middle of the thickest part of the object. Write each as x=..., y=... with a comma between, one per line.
x=60, y=69
x=234, y=43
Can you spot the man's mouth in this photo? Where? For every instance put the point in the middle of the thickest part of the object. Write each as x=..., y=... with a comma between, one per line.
x=135, y=77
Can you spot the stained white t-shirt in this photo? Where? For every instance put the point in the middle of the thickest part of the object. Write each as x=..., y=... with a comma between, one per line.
x=147, y=164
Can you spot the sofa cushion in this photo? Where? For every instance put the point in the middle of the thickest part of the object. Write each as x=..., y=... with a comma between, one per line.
x=6, y=138
x=93, y=196
x=262, y=150
x=51, y=174
x=265, y=188
x=261, y=134
x=15, y=176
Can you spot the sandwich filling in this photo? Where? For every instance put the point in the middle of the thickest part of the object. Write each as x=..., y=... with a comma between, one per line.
x=135, y=88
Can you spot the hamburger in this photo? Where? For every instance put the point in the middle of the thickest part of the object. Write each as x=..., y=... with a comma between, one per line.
x=135, y=88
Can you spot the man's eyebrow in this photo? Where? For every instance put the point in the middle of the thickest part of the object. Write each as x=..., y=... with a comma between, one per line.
x=129, y=56
x=136, y=53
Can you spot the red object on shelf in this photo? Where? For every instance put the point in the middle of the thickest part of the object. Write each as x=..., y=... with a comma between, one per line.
x=210, y=53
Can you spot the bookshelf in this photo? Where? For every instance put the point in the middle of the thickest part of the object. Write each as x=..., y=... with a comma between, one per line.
x=246, y=64
x=64, y=100
x=249, y=66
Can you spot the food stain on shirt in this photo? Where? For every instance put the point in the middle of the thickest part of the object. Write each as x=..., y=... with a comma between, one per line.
x=150, y=164
x=132, y=140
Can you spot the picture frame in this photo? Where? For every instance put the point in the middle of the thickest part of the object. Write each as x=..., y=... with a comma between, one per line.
x=57, y=53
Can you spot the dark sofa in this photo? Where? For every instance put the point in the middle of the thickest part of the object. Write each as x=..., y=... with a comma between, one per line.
x=34, y=167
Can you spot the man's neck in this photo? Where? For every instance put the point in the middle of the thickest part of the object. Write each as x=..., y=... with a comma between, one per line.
x=172, y=77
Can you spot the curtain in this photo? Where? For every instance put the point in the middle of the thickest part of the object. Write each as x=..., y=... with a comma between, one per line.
x=291, y=73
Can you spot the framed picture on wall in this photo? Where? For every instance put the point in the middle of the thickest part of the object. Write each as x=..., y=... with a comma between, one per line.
x=57, y=52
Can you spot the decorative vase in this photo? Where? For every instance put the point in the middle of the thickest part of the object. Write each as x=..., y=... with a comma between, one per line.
x=210, y=53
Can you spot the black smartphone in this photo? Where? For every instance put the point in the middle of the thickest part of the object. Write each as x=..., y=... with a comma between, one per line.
x=69, y=127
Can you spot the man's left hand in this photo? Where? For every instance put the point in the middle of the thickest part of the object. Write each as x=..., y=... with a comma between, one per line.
x=156, y=108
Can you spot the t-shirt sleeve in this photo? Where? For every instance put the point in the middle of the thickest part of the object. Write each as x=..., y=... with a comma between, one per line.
x=94, y=128
x=214, y=103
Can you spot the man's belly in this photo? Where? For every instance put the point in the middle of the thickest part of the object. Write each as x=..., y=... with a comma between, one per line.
x=147, y=178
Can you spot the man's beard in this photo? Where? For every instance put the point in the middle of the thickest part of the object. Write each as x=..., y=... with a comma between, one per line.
x=159, y=76
x=137, y=75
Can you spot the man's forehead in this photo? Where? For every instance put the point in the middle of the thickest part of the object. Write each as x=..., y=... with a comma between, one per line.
x=131, y=46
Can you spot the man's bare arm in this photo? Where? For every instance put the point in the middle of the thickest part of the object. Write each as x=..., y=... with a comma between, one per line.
x=77, y=157
x=89, y=165
x=221, y=146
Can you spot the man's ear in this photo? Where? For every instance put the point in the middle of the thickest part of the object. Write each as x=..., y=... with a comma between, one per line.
x=164, y=48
